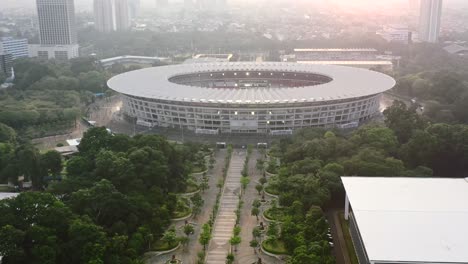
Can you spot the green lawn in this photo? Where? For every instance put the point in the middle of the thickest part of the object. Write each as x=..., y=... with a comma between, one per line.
x=277, y=214
x=6, y=189
x=180, y=214
x=278, y=248
x=163, y=246
x=271, y=190
x=349, y=242
x=191, y=188
x=198, y=169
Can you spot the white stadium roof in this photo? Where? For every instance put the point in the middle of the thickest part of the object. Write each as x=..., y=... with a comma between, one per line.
x=347, y=82
x=411, y=219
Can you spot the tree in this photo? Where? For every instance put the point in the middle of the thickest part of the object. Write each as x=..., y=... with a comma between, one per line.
x=263, y=180
x=273, y=229
x=170, y=237
x=188, y=229
x=11, y=243
x=256, y=203
x=51, y=162
x=403, y=120
x=244, y=182
x=205, y=236
x=28, y=159
x=197, y=202
x=259, y=188
x=92, y=81
x=253, y=244
x=230, y=258
x=255, y=211
x=7, y=134
x=256, y=232
x=234, y=241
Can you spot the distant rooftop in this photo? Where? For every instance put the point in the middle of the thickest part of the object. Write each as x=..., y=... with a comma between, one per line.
x=420, y=220
x=339, y=62
x=8, y=195
x=335, y=50
x=455, y=48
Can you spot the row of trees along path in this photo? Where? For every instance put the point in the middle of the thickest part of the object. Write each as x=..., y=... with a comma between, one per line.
x=226, y=220
x=188, y=253
x=245, y=253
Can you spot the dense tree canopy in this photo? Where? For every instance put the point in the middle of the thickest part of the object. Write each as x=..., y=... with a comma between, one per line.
x=117, y=197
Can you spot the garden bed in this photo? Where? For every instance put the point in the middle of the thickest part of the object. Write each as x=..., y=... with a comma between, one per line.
x=7, y=189
x=198, y=169
x=164, y=246
x=278, y=248
x=277, y=214
x=348, y=240
x=191, y=189
x=182, y=214
x=270, y=190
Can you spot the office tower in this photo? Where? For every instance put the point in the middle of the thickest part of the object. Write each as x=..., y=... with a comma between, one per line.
x=56, y=22
x=18, y=48
x=429, y=20
x=57, y=30
x=122, y=20
x=104, y=15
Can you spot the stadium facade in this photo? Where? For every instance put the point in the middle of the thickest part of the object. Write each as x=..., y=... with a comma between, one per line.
x=247, y=97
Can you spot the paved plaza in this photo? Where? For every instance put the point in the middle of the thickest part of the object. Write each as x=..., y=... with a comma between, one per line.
x=223, y=228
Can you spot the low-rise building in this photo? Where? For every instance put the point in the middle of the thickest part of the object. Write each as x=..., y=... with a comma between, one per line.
x=128, y=60
x=18, y=48
x=57, y=52
x=408, y=220
x=396, y=34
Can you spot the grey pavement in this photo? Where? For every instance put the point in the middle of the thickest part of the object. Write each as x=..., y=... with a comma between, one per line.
x=226, y=220
x=245, y=253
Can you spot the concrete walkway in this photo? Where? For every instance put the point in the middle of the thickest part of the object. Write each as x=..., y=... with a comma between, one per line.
x=223, y=228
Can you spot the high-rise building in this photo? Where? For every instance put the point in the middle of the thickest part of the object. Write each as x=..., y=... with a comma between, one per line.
x=429, y=20
x=6, y=61
x=134, y=8
x=57, y=30
x=122, y=19
x=16, y=47
x=56, y=22
x=104, y=15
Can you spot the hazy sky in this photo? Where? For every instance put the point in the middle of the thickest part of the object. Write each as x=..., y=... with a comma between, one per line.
x=86, y=4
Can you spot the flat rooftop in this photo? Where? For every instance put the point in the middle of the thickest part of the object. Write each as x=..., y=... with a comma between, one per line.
x=4, y=195
x=341, y=62
x=335, y=50
x=411, y=219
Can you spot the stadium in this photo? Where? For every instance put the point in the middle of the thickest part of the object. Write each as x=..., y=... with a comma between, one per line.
x=257, y=98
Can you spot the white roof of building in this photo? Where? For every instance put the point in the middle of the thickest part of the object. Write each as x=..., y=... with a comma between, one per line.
x=411, y=219
x=455, y=48
x=347, y=83
x=341, y=62
x=130, y=57
x=335, y=50
x=8, y=195
x=74, y=141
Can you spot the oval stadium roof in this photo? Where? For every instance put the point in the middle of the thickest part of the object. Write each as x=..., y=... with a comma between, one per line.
x=348, y=82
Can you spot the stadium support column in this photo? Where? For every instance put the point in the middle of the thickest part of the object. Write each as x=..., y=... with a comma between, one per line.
x=346, y=208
